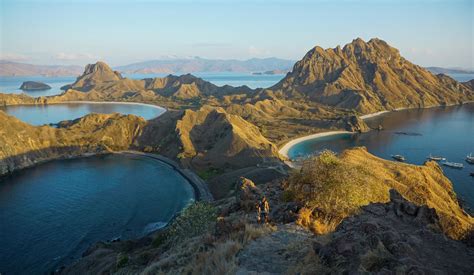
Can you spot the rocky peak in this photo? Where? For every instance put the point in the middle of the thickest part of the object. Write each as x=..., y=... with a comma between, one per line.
x=99, y=67
x=94, y=74
x=368, y=77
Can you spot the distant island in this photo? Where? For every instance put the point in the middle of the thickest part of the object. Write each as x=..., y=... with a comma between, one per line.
x=34, y=86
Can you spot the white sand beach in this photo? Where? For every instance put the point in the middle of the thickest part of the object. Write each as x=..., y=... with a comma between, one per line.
x=284, y=150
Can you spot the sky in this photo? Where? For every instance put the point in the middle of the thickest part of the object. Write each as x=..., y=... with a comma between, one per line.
x=427, y=32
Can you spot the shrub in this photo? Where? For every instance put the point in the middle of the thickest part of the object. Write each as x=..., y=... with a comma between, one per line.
x=331, y=190
x=122, y=260
x=196, y=219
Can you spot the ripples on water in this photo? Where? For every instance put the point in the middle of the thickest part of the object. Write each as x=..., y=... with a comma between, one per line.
x=51, y=213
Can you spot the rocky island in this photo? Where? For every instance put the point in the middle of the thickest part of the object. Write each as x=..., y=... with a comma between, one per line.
x=34, y=86
x=346, y=213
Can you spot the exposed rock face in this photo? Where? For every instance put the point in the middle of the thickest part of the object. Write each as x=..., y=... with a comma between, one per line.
x=23, y=145
x=397, y=236
x=94, y=74
x=368, y=77
x=34, y=86
x=248, y=194
x=469, y=84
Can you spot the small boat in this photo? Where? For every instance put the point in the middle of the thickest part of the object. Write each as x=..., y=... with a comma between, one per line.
x=472, y=174
x=398, y=157
x=453, y=164
x=435, y=158
x=470, y=158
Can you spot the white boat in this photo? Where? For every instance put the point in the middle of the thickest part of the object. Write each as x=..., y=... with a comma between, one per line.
x=453, y=164
x=470, y=158
x=398, y=157
x=435, y=158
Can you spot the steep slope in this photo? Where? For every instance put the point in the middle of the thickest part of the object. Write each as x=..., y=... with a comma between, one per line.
x=208, y=138
x=337, y=187
x=94, y=74
x=368, y=77
x=23, y=145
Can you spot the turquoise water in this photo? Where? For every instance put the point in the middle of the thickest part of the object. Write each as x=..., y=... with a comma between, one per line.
x=227, y=78
x=11, y=84
x=50, y=214
x=53, y=113
x=446, y=131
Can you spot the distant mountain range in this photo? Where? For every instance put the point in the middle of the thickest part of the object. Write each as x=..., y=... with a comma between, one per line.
x=184, y=65
x=9, y=68
x=440, y=70
x=257, y=66
x=198, y=64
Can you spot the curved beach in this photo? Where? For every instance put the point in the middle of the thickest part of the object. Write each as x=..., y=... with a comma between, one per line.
x=284, y=150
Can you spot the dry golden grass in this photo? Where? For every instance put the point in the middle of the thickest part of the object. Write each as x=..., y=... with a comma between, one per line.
x=334, y=188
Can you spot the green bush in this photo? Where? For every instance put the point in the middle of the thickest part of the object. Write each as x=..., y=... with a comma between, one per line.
x=122, y=260
x=196, y=219
x=159, y=240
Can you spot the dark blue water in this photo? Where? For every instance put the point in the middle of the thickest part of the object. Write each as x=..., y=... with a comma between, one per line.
x=52, y=213
x=446, y=131
x=53, y=113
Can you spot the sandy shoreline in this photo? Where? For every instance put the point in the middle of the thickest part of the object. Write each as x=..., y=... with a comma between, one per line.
x=284, y=150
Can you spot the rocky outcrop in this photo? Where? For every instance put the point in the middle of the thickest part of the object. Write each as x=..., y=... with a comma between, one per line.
x=469, y=84
x=23, y=145
x=34, y=86
x=94, y=74
x=394, y=237
x=335, y=188
x=368, y=77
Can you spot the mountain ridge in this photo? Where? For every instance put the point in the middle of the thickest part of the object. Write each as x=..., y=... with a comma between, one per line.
x=368, y=77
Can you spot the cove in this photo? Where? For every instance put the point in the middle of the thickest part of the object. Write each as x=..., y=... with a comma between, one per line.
x=414, y=133
x=50, y=214
x=54, y=113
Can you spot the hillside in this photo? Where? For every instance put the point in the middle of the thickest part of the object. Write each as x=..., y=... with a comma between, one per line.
x=197, y=64
x=368, y=77
x=334, y=188
x=209, y=138
x=9, y=68
x=395, y=234
x=23, y=145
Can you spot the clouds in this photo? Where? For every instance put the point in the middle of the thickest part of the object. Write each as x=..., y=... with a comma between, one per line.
x=255, y=51
x=13, y=57
x=74, y=56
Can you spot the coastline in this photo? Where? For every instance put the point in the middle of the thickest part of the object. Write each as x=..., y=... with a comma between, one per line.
x=284, y=150
x=287, y=146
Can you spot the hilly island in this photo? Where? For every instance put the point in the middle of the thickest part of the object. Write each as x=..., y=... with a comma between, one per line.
x=255, y=208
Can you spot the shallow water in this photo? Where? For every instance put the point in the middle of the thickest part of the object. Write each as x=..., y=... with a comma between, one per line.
x=52, y=212
x=445, y=131
x=54, y=113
